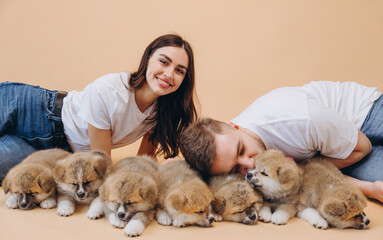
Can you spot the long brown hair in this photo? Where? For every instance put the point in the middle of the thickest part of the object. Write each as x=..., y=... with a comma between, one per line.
x=175, y=111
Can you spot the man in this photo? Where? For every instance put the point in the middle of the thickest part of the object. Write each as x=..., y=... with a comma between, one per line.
x=342, y=122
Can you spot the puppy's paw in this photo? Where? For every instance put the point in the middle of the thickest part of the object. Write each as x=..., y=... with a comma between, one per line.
x=216, y=217
x=117, y=223
x=312, y=216
x=134, y=228
x=11, y=201
x=96, y=209
x=320, y=223
x=265, y=214
x=280, y=218
x=65, y=208
x=95, y=213
x=163, y=218
x=178, y=223
x=205, y=222
x=48, y=203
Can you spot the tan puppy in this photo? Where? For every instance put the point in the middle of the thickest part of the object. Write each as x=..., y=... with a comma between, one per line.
x=30, y=183
x=279, y=179
x=184, y=198
x=327, y=200
x=234, y=199
x=129, y=194
x=78, y=178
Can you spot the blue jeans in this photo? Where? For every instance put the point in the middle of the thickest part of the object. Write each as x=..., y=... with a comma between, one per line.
x=27, y=123
x=370, y=168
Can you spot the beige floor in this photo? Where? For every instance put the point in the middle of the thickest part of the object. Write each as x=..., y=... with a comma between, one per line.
x=46, y=224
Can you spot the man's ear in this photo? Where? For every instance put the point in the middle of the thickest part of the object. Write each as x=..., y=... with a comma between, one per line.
x=235, y=126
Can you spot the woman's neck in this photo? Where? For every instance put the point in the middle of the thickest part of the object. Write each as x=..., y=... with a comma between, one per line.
x=144, y=98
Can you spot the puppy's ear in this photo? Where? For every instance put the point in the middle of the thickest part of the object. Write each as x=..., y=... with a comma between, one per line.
x=6, y=185
x=58, y=172
x=46, y=183
x=285, y=175
x=335, y=207
x=148, y=192
x=103, y=192
x=177, y=200
x=101, y=162
x=218, y=205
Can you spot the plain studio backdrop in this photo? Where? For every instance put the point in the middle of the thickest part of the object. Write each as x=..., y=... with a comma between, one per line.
x=243, y=49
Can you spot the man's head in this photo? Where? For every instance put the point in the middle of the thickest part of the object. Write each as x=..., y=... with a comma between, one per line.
x=214, y=147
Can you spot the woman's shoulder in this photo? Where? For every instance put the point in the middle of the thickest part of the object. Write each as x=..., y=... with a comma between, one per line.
x=111, y=81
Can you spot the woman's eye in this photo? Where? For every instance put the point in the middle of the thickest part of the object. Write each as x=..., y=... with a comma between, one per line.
x=180, y=71
x=163, y=61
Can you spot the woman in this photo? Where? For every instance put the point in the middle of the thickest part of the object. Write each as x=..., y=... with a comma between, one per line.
x=155, y=102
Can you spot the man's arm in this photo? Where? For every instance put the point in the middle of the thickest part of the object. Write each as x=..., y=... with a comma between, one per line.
x=370, y=189
x=100, y=139
x=362, y=148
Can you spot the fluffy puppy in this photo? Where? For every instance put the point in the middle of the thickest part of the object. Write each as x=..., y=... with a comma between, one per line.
x=279, y=179
x=129, y=194
x=327, y=200
x=184, y=199
x=30, y=183
x=234, y=199
x=78, y=178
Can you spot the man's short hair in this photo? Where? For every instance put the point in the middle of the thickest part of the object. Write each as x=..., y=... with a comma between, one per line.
x=198, y=144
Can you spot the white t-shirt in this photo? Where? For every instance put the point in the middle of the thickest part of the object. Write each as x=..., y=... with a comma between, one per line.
x=318, y=117
x=107, y=104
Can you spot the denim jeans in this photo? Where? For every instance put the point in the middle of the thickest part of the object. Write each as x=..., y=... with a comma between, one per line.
x=370, y=168
x=27, y=123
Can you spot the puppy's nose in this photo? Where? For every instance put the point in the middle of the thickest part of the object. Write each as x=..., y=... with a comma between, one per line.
x=80, y=194
x=249, y=176
x=253, y=216
x=23, y=204
x=211, y=219
x=121, y=215
x=367, y=221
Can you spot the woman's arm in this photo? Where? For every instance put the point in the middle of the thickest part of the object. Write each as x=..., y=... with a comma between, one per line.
x=147, y=147
x=362, y=148
x=100, y=139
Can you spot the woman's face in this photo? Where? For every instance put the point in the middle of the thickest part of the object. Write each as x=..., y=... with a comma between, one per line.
x=167, y=68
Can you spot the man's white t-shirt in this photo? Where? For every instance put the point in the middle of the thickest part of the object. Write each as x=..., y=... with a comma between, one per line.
x=107, y=104
x=319, y=117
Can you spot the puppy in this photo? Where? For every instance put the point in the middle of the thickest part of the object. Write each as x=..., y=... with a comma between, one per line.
x=184, y=199
x=129, y=194
x=327, y=200
x=30, y=183
x=279, y=179
x=234, y=199
x=78, y=178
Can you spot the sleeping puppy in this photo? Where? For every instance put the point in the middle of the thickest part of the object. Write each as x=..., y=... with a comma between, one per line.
x=234, y=199
x=184, y=199
x=279, y=179
x=129, y=194
x=78, y=178
x=327, y=200
x=30, y=183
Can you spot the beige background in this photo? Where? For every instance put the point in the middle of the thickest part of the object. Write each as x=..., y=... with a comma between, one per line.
x=243, y=49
